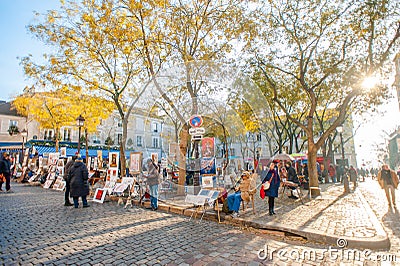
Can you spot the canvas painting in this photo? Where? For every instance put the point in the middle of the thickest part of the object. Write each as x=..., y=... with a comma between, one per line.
x=119, y=188
x=207, y=147
x=207, y=181
x=48, y=183
x=89, y=163
x=99, y=159
x=208, y=166
x=109, y=186
x=135, y=162
x=113, y=159
x=99, y=195
x=59, y=184
x=53, y=157
x=63, y=151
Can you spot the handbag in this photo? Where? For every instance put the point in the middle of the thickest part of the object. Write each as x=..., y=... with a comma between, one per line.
x=262, y=192
x=267, y=184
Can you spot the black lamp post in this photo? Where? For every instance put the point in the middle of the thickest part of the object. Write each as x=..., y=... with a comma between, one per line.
x=24, y=135
x=80, y=121
x=344, y=177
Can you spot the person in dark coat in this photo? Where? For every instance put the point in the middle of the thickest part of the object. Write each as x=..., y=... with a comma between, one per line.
x=5, y=169
x=292, y=177
x=78, y=180
x=67, y=186
x=272, y=193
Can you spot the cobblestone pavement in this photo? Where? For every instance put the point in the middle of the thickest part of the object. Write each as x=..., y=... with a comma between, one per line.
x=389, y=217
x=38, y=230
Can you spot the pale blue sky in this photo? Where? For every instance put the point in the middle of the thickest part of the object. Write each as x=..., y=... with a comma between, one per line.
x=15, y=15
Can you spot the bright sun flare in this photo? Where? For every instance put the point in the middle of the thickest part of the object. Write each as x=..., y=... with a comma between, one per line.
x=369, y=82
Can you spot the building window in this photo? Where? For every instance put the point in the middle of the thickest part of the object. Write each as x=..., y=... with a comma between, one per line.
x=139, y=141
x=232, y=152
x=154, y=127
x=48, y=135
x=67, y=134
x=259, y=137
x=119, y=123
x=119, y=138
x=13, y=123
x=155, y=142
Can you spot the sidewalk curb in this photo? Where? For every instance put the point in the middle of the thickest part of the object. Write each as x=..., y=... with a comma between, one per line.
x=378, y=242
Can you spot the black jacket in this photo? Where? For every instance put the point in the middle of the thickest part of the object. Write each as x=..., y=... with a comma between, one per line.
x=78, y=179
x=5, y=166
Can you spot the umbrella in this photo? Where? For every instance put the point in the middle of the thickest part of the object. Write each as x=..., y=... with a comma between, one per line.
x=299, y=155
x=283, y=157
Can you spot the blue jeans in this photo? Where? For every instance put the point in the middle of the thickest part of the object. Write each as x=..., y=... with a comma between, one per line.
x=76, y=203
x=234, y=201
x=154, y=196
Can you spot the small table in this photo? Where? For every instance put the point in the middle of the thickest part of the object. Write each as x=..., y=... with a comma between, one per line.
x=290, y=185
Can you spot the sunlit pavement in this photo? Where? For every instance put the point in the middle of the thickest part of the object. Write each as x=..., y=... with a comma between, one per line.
x=389, y=217
x=37, y=229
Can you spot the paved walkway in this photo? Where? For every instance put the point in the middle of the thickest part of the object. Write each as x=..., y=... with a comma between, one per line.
x=332, y=218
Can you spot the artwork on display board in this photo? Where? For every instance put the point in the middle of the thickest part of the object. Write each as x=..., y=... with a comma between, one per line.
x=128, y=181
x=51, y=176
x=95, y=165
x=25, y=162
x=69, y=158
x=135, y=162
x=45, y=162
x=53, y=157
x=88, y=163
x=59, y=184
x=119, y=188
x=207, y=166
x=112, y=174
x=207, y=147
x=109, y=186
x=63, y=151
x=154, y=157
x=60, y=171
x=99, y=195
x=207, y=181
x=113, y=159
x=99, y=159
x=48, y=183
x=27, y=151
x=60, y=163
x=40, y=162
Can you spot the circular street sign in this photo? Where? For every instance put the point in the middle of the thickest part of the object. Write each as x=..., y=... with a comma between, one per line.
x=196, y=121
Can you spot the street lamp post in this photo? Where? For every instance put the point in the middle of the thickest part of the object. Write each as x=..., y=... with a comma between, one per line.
x=345, y=178
x=80, y=121
x=24, y=135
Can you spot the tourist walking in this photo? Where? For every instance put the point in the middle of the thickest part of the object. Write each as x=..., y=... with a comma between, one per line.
x=78, y=180
x=388, y=180
x=332, y=173
x=353, y=176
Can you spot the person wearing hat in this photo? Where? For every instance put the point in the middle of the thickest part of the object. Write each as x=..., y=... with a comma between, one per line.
x=5, y=170
x=153, y=179
x=241, y=193
x=78, y=180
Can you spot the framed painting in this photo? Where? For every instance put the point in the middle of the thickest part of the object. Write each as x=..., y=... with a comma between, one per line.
x=135, y=162
x=113, y=159
x=99, y=195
